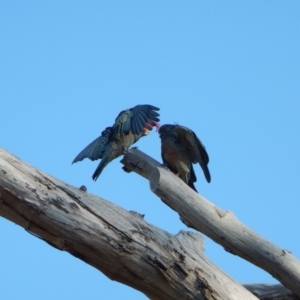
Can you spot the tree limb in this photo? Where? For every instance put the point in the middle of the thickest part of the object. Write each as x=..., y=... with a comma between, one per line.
x=271, y=292
x=120, y=244
x=221, y=226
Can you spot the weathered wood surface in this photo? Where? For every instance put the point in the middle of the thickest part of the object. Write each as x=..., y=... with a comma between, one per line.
x=271, y=292
x=221, y=226
x=120, y=244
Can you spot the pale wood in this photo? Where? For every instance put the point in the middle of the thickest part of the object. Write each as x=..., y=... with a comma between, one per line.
x=221, y=226
x=120, y=244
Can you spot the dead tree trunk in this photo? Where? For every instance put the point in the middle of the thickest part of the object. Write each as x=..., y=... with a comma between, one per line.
x=122, y=246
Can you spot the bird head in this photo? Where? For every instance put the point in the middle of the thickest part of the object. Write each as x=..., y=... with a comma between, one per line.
x=157, y=125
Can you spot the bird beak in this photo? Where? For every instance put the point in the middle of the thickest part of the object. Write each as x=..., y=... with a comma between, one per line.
x=157, y=125
x=148, y=131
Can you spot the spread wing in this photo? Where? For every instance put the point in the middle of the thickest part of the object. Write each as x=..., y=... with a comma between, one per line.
x=197, y=150
x=95, y=149
x=137, y=120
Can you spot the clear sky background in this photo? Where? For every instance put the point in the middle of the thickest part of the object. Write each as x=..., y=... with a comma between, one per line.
x=229, y=70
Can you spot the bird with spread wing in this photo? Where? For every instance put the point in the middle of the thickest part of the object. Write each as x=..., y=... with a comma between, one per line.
x=180, y=149
x=130, y=125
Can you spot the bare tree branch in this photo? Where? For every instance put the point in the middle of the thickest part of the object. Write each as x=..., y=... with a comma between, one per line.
x=120, y=244
x=271, y=292
x=221, y=226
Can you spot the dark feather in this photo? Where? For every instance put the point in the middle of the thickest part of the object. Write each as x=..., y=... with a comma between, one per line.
x=128, y=128
x=103, y=163
x=95, y=149
x=181, y=148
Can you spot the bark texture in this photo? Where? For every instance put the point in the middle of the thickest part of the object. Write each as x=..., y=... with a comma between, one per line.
x=120, y=244
x=271, y=292
x=221, y=226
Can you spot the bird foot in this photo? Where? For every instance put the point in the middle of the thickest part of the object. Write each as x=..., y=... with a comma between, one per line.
x=125, y=151
x=164, y=166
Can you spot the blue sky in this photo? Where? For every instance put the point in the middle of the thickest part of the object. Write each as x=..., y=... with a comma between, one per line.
x=229, y=70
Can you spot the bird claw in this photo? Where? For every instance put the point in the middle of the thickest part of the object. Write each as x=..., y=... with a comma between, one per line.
x=164, y=166
x=125, y=151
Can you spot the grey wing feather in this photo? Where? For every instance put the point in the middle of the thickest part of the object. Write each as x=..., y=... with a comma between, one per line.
x=145, y=116
x=135, y=120
x=95, y=149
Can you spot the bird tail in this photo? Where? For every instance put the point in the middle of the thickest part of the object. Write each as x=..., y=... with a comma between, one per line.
x=191, y=185
x=103, y=163
x=192, y=179
x=206, y=172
